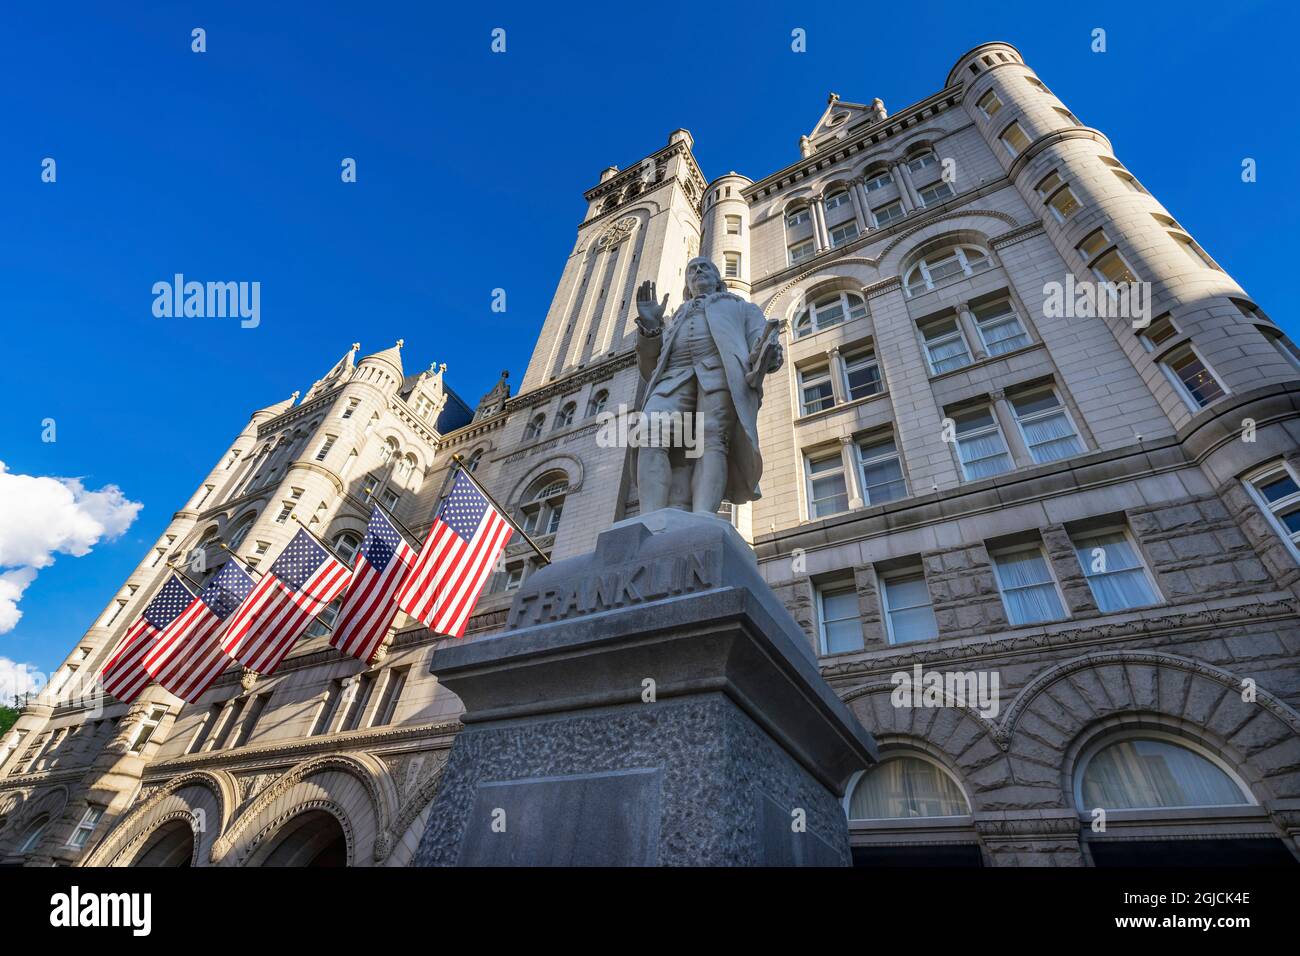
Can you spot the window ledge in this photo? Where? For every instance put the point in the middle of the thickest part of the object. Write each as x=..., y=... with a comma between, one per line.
x=987, y=360
x=828, y=412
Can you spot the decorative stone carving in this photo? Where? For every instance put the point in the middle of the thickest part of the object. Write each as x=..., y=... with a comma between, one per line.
x=617, y=232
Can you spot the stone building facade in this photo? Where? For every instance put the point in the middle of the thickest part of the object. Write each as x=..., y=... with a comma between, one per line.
x=974, y=466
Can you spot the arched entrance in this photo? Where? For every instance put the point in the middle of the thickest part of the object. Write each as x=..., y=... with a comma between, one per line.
x=172, y=844
x=314, y=838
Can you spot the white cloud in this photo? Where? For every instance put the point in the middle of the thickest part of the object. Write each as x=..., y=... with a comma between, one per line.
x=17, y=679
x=41, y=517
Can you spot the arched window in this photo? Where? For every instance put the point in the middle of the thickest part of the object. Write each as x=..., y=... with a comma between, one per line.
x=345, y=545
x=544, y=503
x=241, y=532
x=829, y=310
x=836, y=199
x=471, y=463
x=596, y=404
x=922, y=160
x=405, y=467
x=31, y=837
x=535, y=427
x=567, y=413
x=323, y=623
x=905, y=788
x=1153, y=772
x=387, y=451
x=943, y=266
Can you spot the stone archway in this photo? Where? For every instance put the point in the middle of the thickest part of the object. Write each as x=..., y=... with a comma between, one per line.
x=311, y=839
x=171, y=845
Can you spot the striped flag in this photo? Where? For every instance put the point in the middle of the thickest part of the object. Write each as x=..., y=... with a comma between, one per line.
x=187, y=657
x=303, y=580
x=368, y=609
x=124, y=675
x=456, y=560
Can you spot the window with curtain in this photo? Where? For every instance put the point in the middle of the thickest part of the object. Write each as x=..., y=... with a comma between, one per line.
x=828, y=492
x=944, y=266
x=999, y=327
x=945, y=346
x=837, y=616
x=816, y=392
x=1028, y=588
x=980, y=446
x=829, y=310
x=1149, y=774
x=906, y=788
x=861, y=375
x=1046, y=426
x=1114, y=571
x=882, y=470
x=909, y=614
x=1192, y=378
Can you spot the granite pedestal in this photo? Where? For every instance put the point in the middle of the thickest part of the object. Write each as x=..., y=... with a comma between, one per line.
x=650, y=703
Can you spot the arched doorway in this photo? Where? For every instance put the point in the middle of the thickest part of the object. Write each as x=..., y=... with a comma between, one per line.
x=172, y=844
x=314, y=838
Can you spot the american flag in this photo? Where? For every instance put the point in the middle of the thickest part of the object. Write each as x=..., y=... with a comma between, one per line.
x=368, y=609
x=304, y=579
x=124, y=675
x=456, y=560
x=187, y=657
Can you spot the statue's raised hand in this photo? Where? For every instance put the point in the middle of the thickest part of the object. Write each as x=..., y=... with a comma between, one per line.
x=649, y=310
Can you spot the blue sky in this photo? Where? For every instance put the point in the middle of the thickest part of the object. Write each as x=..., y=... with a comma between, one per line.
x=471, y=166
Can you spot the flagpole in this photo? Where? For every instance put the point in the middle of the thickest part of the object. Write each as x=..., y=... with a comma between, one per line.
x=460, y=462
x=392, y=517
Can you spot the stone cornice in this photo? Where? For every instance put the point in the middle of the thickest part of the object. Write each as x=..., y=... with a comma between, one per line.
x=591, y=373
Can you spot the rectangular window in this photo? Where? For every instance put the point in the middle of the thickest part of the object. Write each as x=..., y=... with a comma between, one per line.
x=1114, y=571
x=1192, y=378
x=881, y=470
x=989, y=104
x=230, y=721
x=553, y=516
x=935, y=193
x=802, y=250
x=878, y=181
x=816, y=391
x=845, y=233
x=828, y=492
x=1193, y=251
x=909, y=615
x=392, y=695
x=86, y=826
x=945, y=346
x=980, y=446
x=207, y=490
x=351, y=409
x=1093, y=244
x=285, y=511
x=1037, y=84
x=1277, y=490
x=1014, y=139
x=1058, y=196
x=838, y=620
x=797, y=218
x=861, y=375
x=733, y=225
x=325, y=716
x=514, y=577
x=731, y=262
x=146, y=730
x=999, y=327
x=1160, y=330
x=360, y=690
x=1046, y=426
x=837, y=200
x=1111, y=267
x=253, y=714
x=325, y=448
x=205, y=728
x=922, y=162
x=1028, y=588
x=389, y=498
x=888, y=213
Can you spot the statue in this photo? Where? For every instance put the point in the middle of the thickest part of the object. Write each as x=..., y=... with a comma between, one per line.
x=706, y=368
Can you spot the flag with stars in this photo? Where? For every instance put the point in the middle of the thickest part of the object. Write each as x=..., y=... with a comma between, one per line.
x=456, y=560
x=368, y=608
x=304, y=579
x=187, y=657
x=124, y=675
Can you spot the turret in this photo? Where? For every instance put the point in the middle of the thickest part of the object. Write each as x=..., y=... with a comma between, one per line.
x=726, y=230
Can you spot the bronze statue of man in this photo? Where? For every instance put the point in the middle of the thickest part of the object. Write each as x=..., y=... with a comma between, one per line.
x=706, y=366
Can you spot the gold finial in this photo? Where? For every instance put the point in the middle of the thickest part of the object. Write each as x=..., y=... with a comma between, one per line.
x=401, y=342
x=356, y=346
